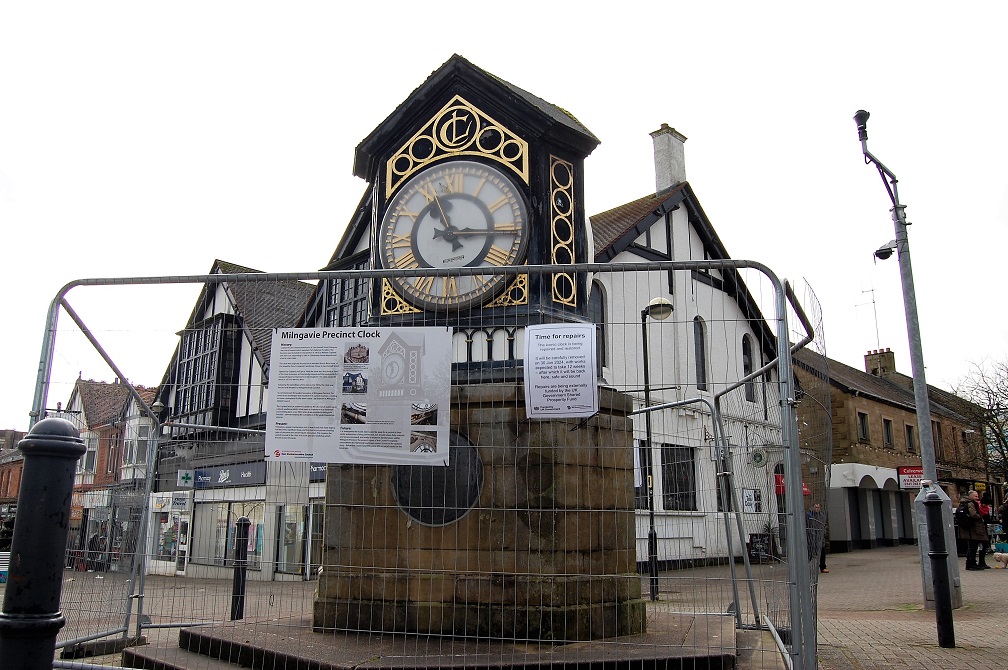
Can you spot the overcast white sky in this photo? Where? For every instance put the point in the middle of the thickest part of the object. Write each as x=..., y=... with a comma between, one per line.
x=149, y=139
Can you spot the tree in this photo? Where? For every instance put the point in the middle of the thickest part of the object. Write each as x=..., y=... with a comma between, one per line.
x=985, y=388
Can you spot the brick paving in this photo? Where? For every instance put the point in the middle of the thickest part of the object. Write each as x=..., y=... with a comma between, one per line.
x=871, y=615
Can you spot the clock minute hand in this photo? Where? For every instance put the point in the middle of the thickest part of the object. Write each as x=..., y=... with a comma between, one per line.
x=476, y=231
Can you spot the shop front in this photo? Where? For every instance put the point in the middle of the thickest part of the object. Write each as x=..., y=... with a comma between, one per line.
x=170, y=533
x=283, y=503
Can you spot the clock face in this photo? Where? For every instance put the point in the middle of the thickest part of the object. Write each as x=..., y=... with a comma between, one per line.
x=393, y=367
x=454, y=214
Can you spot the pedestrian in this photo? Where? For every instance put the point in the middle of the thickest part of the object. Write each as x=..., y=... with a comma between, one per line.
x=974, y=530
x=815, y=532
x=985, y=512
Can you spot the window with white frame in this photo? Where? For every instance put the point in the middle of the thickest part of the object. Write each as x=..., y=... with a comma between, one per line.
x=135, y=449
x=642, y=461
x=747, y=368
x=700, y=352
x=347, y=299
x=678, y=473
x=111, y=465
x=197, y=369
x=87, y=463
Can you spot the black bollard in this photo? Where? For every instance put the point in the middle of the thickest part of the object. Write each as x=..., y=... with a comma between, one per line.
x=939, y=570
x=240, y=568
x=31, y=617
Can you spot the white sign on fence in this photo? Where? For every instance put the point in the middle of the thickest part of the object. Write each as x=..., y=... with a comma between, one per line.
x=560, y=375
x=359, y=395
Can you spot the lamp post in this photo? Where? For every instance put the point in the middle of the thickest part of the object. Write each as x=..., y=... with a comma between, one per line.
x=658, y=309
x=901, y=247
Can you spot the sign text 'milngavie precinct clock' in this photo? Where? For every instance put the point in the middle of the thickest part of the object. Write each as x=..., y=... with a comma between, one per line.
x=472, y=172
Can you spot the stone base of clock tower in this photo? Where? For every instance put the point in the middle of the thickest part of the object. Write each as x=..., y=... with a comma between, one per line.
x=548, y=552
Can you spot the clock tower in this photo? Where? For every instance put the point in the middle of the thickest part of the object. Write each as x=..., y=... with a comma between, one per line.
x=528, y=531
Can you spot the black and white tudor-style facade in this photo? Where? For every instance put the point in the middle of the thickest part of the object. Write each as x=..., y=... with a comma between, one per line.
x=214, y=398
x=214, y=390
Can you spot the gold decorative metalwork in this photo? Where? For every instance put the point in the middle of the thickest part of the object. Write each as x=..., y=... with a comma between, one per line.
x=392, y=303
x=562, y=229
x=459, y=129
x=516, y=294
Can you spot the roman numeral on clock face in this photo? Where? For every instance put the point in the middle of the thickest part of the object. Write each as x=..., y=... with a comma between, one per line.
x=497, y=256
x=405, y=262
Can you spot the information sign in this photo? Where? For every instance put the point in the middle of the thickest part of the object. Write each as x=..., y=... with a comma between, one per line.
x=359, y=395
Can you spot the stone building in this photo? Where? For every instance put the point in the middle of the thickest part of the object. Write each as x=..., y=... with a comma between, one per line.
x=874, y=434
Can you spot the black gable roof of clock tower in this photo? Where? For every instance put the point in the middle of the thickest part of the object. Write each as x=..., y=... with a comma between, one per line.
x=538, y=119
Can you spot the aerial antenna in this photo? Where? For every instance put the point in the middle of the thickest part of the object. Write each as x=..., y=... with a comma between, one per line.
x=878, y=343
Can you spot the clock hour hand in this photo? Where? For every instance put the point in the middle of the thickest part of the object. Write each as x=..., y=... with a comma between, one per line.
x=449, y=231
x=449, y=234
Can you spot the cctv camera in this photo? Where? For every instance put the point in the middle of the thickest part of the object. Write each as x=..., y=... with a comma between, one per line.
x=886, y=250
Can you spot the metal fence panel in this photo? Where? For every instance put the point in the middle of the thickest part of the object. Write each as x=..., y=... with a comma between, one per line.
x=685, y=498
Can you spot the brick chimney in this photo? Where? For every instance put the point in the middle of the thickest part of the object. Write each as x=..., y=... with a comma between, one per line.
x=879, y=362
x=669, y=157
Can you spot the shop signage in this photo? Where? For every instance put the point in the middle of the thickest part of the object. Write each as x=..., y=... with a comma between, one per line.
x=910, y=477
x=779, y=486
x=318, y=472
x=243, y=474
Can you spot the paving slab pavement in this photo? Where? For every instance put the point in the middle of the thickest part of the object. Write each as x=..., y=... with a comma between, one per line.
x=871, y=615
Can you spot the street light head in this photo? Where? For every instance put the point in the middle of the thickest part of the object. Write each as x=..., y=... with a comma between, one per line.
x=861, y=119
x=659, y=309
x=886, y=250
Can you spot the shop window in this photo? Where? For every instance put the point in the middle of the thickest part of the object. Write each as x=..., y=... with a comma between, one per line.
x=292, y=525
x=224, y=517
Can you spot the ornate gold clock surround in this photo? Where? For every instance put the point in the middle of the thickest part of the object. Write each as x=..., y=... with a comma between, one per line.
x=458, y=129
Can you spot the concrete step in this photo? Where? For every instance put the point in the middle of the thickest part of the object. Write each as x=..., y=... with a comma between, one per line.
x=672, y=641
